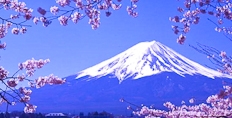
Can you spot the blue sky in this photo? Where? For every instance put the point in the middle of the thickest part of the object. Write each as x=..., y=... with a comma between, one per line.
x=76, y=47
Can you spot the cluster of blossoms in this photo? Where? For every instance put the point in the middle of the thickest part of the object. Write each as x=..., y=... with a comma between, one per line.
x=219, y=105
x=131, y=9
x=23, y=94
x=32, y=64
x=78, y=9
x=51, y=79
x=226, y=63
x=94, y=18
x=5, y=27
x=21, y=12
x=221, y=9
x=3, y=73
x=29, y=108
x=66, y=10
x=219, y=58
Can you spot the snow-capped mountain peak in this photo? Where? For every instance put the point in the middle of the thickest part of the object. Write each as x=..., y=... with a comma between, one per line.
x=145, y=59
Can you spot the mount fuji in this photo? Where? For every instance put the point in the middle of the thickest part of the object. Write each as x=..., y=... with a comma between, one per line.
x=146, y=59
x=148, y=73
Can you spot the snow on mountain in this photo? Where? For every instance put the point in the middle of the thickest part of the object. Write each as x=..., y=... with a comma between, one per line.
x=145, y=59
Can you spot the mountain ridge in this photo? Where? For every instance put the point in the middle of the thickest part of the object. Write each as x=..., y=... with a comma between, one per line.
x=145, y=59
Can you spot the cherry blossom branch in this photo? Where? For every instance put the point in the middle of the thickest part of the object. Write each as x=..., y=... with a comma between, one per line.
x=220, y=29
x=192, y=11
x=218, y=58
x=82, y=8
x=218, y=105
x=23, y=94
x=14, y=23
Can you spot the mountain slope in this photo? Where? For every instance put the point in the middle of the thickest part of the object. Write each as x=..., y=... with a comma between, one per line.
x=145, y=59
x=103, y=94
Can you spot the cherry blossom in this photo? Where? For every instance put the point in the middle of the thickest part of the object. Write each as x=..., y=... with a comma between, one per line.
x=218, y=105
x=116, y=7
x=3, y=45
x=54, y=80
x=31, y=65
x=191, y=100
x=12, y=82
x=51, y=79
x=63, y=2
x=181, y=39
x=29, y=108
x=23, y=30
x=61, y=11
x=76, y=17
x=22, y=95
x=54, y=10
x=81, y=9
x=223, y=54
x=3, y=30
x=15, y=31
x=131, y=10
x=3, y=73
x=36, y=20
x=63, y=20
x=25, y=91
x=193, y=9
x=25, y=99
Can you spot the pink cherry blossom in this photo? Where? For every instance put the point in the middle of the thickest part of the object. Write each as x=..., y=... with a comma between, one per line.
x=40, y=82
x=28, y=14
x=12, y=83
x=44, y=21
x=51, y=79
x=35, y=20
x=3, y=73
x=29, y=108
x=21, y=77
x=95, y=23
x=181, y=39
x=79, y=4
x=31, y=65
x=8, y=25
x=23, y=94
x=194, y=9
x=63, y=20
x=25, y=91
x=54, y=10
x=3, y=30
x=63, y=2
x=131, y=10
x=15, y=31
x=14, y=16
x=191, y=100
x=25, y=98
x=54, y=80
x=3, y=45
x=23, y=30
x=103, y=6
x=116, y=7
x=134, y=1
x=76, y=17
x=223, y=54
